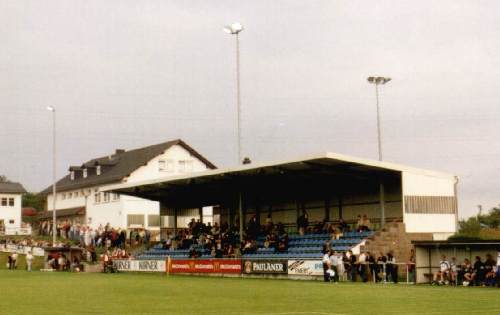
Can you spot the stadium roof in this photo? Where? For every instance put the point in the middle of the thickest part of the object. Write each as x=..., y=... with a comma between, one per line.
x=332, y=163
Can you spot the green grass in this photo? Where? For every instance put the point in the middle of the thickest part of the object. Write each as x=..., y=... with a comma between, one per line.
x=72, y=293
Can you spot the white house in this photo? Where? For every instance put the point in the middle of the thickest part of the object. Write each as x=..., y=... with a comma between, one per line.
x=80, y=199
x=10, y=207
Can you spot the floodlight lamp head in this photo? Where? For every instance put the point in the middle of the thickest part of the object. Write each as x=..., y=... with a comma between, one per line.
x=51, y=108
x=234, y=28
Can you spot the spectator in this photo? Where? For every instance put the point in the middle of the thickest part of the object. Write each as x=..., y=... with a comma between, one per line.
x=334, y=262
x=489, y=271
x=411, y=266
x=479, y=272
x=443, y=272
x=466, y=273
x=392, y=268
x=361, y=264
x=303, y=223
x=374, y=268
x=453, y=270
x=352, y=265
x=14, y=260
x=29, y=261
x=326, y=266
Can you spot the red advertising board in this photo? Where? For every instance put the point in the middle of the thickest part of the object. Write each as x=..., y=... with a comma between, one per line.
x=205, y=266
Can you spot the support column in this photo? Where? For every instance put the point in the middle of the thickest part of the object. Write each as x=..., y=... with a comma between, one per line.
x=341, y=211
x=200, y=213
x=382, y=202
x=240, y=213
x=175, y=221
x=327, y=209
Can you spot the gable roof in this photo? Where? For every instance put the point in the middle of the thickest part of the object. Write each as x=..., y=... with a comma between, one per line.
x=120, y=165
x=11, y=188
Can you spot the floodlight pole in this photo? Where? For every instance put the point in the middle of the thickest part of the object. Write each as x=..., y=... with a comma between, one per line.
x=235, y=29
x=238, y=95
x=377, y=81
x=54, y=178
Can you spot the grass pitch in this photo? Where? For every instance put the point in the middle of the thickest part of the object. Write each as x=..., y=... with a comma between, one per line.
x=72, y=293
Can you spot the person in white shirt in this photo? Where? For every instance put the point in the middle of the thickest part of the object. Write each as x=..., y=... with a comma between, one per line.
x=443, y=272
x=29, y=261
x=334, y=262
x=362, y=267
x=14, y=260
x=326, y=266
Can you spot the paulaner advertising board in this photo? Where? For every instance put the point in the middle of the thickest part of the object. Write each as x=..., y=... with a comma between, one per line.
x=264, y=266
x=140, y=265
x=305, y=267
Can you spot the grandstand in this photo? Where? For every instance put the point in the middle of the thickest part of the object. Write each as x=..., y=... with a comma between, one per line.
x=403, y=203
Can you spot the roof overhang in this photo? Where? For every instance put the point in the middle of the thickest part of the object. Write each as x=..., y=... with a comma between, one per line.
x=330, y=164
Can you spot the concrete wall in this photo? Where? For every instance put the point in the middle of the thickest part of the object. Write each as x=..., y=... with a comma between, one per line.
x=427, y=185
x=441, y=224
x=8, y=213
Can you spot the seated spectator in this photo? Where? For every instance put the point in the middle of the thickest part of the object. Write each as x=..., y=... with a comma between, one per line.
x=443, y=272
x=489, y=271
x=453, y=270
x=466, y=273
x=343, y=227
x=479, y=272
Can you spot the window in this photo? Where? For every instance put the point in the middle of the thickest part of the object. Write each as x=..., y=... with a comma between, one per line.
x=72, y=175
x=63, y=196
x=76, y=194
x=70, y=195
x=116, y=197
x=106, y=197
x=182, y=166
x=12, y=221
x=97, y=197
x=162, y=165
x=4, y=202
x=11, y=202
x=98, y=170
x=135, y=220
x=153, y=220
x=84, y=173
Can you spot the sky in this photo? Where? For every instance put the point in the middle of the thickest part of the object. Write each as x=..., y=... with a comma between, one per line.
x=130, y=73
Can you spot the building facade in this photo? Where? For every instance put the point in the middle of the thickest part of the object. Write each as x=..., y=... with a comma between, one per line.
x=80, y=198
x=10, y=207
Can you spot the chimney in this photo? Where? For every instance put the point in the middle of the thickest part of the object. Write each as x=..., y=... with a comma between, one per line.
x=119, y=151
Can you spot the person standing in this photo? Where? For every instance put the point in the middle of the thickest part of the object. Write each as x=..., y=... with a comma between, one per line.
x=29, y=261
x=14, y=260
x=334, y=262
x=353, y=266
x=326, y=266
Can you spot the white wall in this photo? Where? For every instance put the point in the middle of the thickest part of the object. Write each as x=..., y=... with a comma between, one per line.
x=426, y=185
x=105, y=212
x=430, y=223
x=174, y=153
x=8, y=213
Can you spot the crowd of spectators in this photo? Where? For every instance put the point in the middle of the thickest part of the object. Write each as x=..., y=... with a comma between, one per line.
x=479, y=273
x=364, y=266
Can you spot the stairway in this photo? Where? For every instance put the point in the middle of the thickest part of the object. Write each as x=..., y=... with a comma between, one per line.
x=393, y=237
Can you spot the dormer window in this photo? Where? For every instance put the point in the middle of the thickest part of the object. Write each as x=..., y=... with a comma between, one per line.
x=72, y=175
x=98, y=170
x=84, y=173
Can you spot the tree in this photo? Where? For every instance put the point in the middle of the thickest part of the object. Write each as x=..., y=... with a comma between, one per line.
x=33, y=200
